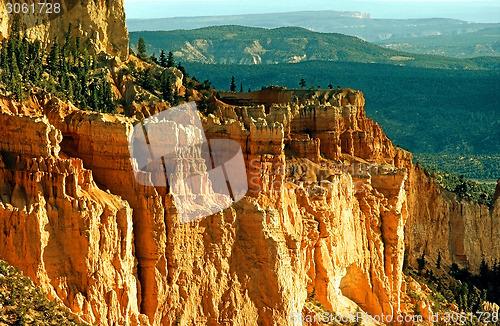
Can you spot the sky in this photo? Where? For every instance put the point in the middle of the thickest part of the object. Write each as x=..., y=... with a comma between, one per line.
x=481, y=11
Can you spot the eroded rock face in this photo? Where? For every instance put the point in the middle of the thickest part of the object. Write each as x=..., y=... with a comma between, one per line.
x=99, y=23
x=463, y=232
x=320, y=222
x=74, y=239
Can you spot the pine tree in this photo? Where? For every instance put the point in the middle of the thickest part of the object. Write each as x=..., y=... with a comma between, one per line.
x=141, y=49
x=15, y=84
x=69, y=89
x=67, y=42
x=147, y=80
x=53, y=59
x=233, y=85
x=170, y=60
x=184, y=73
x=84, y=87
x=166, y=88
x=484, y=273
x=302, y=83
x=4, y=61
x=22, y=54
x=438, y=262
x=241, y=87
x=176, y=96
x=107, y=104
x=421, y=262
x=76, y=49
x=35, y=63
x=163, y=59
x=94, y=97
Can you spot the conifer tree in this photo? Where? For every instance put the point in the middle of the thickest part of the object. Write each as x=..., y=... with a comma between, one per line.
x=141, y=49
x=15, y=84
x=233, y=85
x=22, y=53
x=107, y=103
x=147, y=80
x=421, y=262
x=166, y=88
x=184, y=73
x=76, y=49
x=170, y=60
x=176, y=97
x=53, y=59
x=163, y=59
x=4, y=63
x=67, y=43
x=94, y=97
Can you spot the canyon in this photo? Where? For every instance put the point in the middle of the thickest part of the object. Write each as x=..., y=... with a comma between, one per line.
x=75, y=220
x=331, y=207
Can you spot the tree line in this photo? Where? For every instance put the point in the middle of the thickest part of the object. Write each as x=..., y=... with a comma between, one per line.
x=67, y=70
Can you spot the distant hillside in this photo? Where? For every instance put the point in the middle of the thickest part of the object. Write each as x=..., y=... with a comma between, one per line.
x=248, y=45
x=350, y=23
x=485, y=42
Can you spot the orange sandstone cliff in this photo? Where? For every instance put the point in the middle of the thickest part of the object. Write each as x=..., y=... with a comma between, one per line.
x=323, y=222
x=332, y=205
x=100, y=24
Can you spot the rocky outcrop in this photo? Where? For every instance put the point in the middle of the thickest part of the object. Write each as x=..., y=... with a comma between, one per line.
x=337, y=236
x=99, y=23
x=74, y=239
x=441, y=222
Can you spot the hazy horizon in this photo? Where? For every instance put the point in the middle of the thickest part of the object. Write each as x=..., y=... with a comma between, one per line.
x=485, y=11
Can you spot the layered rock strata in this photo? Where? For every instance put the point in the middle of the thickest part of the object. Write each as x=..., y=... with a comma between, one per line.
x=100, y=24
x=74, y=239
x=331, y=204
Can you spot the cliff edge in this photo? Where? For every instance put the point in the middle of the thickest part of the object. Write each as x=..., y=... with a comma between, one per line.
x=331, y=206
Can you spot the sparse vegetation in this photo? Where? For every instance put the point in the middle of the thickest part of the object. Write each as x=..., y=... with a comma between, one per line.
x=23, y=303
x=463, y=187
x=460, y=287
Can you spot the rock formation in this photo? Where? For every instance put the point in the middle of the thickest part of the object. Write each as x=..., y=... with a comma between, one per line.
x=73, y=238
x=464, y=232
x=99, y=23
x=330, y=208
x=322, y=222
